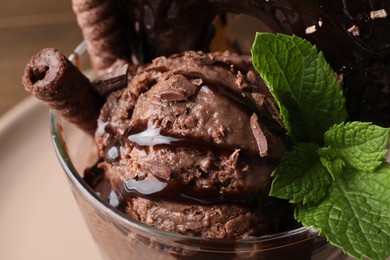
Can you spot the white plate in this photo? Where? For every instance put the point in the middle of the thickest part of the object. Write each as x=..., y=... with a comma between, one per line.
x=39, y=217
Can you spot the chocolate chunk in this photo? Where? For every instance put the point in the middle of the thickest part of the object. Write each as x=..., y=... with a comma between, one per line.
x=176, y=88
x=258, y=133
x=114, y=79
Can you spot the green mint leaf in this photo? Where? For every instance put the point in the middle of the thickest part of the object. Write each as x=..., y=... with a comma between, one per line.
x=334, y=165
x=306, y=89
x=300, y=177
x=355, y=214
x=359, y=145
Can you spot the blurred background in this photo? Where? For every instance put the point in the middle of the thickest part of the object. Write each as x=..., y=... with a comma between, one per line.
x=26, y=26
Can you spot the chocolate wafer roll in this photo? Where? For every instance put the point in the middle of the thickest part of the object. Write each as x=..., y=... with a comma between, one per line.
x=53, y=79
x=103, y=32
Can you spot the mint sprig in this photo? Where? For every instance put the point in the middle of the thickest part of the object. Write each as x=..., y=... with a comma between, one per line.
x=306, y=89
x=335, y=173
x=355, y=214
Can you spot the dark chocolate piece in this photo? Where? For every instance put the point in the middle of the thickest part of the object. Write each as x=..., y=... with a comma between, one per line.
x=114, y=79
x=176, y=88
x=261, y=140
x=52, y=78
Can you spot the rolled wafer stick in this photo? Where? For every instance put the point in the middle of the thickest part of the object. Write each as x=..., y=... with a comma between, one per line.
x=53, y=79
x=102, y=31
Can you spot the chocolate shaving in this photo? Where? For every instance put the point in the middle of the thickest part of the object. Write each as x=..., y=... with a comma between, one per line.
x=115, y=79
x=233, y=159
x=274, y=110
x=177, y=88
x=52, y=78
x=378, y=14
x=259, y=99
x=158, y=170
x=259, y=135
x=354, y=30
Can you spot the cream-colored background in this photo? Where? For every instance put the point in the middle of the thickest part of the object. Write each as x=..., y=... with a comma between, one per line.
x=26, y=26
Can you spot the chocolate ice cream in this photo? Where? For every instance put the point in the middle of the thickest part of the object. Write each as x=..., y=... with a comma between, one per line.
x=189, y=146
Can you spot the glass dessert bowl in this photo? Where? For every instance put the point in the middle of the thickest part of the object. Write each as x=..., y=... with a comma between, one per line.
x=207, y=118
x=120, y=237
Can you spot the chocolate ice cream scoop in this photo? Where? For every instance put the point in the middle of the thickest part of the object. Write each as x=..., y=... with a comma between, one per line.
x=193, y=132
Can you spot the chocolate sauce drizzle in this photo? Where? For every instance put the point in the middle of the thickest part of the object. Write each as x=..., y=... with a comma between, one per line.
x=156, y=189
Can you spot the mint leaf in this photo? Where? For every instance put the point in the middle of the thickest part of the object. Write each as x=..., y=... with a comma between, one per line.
x=300, y=177
x=334, y=164
x=305, y=87
x=359, y=145
x=355, y=215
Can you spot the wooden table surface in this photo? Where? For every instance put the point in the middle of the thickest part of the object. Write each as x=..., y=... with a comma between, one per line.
x=26, y=27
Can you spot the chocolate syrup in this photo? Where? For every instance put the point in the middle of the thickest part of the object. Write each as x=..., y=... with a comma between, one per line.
x=94, y=177
x=156, y=189
x=146, y=137
x=173, y=142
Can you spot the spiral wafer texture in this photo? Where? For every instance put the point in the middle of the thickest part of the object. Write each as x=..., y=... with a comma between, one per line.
x=102, y=31
x=61, y=86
